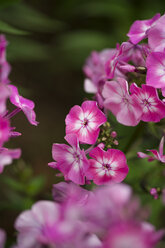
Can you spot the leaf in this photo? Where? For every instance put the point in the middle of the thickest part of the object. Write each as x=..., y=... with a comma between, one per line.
x=36, y=185
x=28, y=18
x=6, y=28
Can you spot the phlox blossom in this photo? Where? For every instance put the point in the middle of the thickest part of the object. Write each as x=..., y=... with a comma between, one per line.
x=139, y=29
x=7, y=156
x=70, y=160
x=85, y=121
x=107, y=166
x=131, y=234
x=126, y=108
x=155, y=64
x=153, y=107
x=156, y=155
x=23, y=104
x=4, y=130
x=2, y=238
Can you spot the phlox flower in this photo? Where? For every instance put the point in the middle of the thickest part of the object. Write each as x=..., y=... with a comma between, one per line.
x=156, y=36
x=156, y=155
x=70, y=160
x=7, y=156
x=4, y=130
x=23, y=104
x=2, y=238
x=132, y=234
x=139, y=29
x=126, y=108
x=85, y=121
x=45, y=224
x=4, y=65
x=107, y=166
x=153, y=107
x=4, y=94
x=64, y=192
x=155, y=64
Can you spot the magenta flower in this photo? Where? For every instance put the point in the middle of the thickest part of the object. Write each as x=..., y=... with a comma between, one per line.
x=157, y=155
x=64, y=192
x=156, y=70
x=7, y=156
x=70, y=160
x=126, y=108
x=4, y=130
x=23, y=104
x=4, y=94
x=132, y=234
x=107, y=166
x=2, y=238
x=139, y=29
x=156, y=36
x=4, y=66
x=85, y=121
x=45, y=224
x=153, y=107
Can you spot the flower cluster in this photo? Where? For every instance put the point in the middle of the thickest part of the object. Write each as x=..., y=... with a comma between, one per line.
x=82, y=126
x=9, y=91
x=117, y=76
x=86, y=219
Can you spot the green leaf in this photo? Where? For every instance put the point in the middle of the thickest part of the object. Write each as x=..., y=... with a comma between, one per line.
x=36, y=185
x=6, y=28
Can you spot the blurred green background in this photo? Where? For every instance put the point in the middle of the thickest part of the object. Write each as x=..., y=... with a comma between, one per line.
x=48, y=44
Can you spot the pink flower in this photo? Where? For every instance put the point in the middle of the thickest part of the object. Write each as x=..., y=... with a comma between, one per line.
x=24, y=104
x=94, y=69
x=132, y=234
x=4, y=66
x=70, y=160
x=45, y=224
x=153, y=107
x=139, y=29
x=4, y=94
x=2, y=238
x=4, y=130
x=157, y=155
x=107, y=166
x=85, y=121
x=64, y=192
x=126, y=108
x=156, y=36
x=156, y=70
x=7, y=155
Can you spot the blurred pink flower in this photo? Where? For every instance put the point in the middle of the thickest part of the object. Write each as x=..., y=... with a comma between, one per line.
x=2, y=238
x=7, y=156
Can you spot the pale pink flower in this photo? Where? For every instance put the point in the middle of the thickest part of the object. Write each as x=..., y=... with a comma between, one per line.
x=132, y=234
x=70, y=160
x=7, y=156
x=156, y=36
x=94, y=69
x=23, y=104
x=157, y=155
x=2, y=238
x=126, y=108
x=139, y=29
x=153, y=107
x=107, y=166
x=64, y=192
x=85, y=121
x=45, y=224
x=156, y=70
